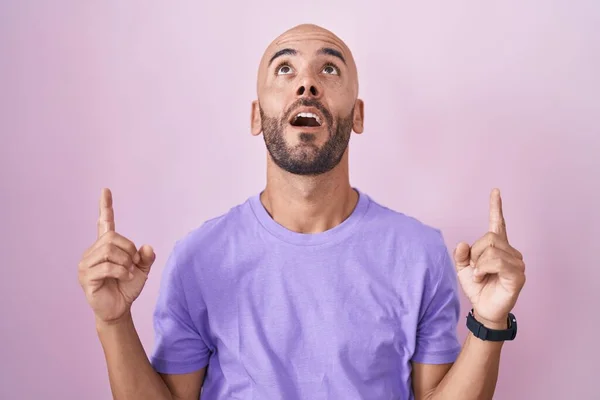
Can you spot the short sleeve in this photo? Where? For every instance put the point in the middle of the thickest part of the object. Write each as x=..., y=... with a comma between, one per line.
x=179, y=347
x=437, y=340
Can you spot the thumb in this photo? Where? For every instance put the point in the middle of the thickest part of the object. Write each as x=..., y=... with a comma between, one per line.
x=462, y=256
x=147, y=257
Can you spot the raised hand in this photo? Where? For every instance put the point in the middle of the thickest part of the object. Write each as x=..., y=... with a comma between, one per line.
x=491, y=272
x=112, y=272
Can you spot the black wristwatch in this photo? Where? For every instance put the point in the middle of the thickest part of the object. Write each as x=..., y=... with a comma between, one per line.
x=492, y=335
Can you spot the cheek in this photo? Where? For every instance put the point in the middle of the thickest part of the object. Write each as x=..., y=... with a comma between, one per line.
x=284, y=86
x=276, y=95
x=340, y=96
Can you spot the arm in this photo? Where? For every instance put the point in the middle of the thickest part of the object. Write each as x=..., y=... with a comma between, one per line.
x=130, y=373
x=492, y=275
x=472, y=376
x=112, y=274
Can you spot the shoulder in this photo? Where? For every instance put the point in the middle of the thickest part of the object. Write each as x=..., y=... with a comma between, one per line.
x=408, y=232
x=419, y=247
x=214, y=235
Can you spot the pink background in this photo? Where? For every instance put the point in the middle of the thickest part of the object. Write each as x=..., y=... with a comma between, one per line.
x=153, y=99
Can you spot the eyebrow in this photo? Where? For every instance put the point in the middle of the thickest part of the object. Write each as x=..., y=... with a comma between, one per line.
x=283, y=52
x=291, y=52
x=332, y=52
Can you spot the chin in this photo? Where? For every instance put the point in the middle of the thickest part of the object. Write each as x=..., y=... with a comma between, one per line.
x=297, y=137
x=304, y=152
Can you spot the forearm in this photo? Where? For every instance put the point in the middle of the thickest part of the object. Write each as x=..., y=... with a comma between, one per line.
x=130, y=373
x=475, y=373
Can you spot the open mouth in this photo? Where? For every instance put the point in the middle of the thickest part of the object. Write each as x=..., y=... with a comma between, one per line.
x=306, y=119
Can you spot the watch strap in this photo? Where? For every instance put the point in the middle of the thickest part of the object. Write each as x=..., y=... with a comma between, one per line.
x=493, y=335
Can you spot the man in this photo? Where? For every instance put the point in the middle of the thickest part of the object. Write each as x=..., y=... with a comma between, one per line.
x=309, y=289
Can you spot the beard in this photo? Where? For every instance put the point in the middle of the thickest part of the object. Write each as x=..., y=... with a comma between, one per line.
x=307, y=158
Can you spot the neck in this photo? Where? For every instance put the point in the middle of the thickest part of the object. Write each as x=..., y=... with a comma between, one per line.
x=309, y=204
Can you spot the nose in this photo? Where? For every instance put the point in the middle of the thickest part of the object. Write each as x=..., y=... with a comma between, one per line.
x=312, y=90
x=308, y=88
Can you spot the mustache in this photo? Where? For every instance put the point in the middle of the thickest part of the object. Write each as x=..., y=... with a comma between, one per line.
x=304, y=102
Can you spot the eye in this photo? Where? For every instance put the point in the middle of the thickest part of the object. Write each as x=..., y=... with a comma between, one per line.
x=331, y=69
x=284, y=69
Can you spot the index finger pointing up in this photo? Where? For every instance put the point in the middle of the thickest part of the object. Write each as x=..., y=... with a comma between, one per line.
x=497, y=223
x=106, y=219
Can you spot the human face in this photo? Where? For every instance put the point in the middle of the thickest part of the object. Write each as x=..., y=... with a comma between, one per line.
x=307, y=105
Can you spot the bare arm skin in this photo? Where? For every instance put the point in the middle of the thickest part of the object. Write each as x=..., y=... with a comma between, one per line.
x=472, y=377
x=130, y=372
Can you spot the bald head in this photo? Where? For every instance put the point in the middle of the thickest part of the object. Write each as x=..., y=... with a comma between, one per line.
x=307, y=33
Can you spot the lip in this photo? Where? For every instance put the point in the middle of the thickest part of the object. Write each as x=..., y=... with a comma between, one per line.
x=307, y=129
x=307, y=110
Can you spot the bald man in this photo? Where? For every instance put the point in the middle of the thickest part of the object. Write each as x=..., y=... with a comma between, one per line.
x=310, y=289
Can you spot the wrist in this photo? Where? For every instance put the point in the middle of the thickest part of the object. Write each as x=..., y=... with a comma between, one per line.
x=492, y=324
x=102, y=325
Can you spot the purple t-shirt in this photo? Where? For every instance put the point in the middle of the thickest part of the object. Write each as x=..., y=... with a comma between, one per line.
x=276, y=314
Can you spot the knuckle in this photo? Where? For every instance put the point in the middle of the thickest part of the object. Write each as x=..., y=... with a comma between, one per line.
x=106, y=270
x=108, y=237
x=499, y=263
x=119, y=272
x=493, y=252
x=127, y=260
x=491, y=238
x=131, y=249
x=519, y=254
x=109, y=250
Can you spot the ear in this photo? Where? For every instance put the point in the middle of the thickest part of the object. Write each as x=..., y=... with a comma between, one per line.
x=255, y=119
x=358, y=117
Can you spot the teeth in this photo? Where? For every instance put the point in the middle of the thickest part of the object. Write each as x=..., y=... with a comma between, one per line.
x=309, y=115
